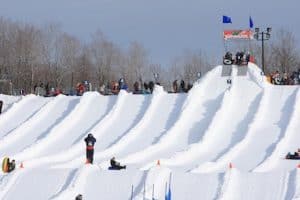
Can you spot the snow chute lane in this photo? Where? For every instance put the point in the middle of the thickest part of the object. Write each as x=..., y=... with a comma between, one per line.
x=116, y=184
x=20, y=112
x=155, y=124
x=289, y=140
x=132, y=111
x=197, y=111
x=248, y=186
x=87, y=112
x=152, y=125
x=38, y=126
x=263, y=132
x=112, y=129
x=76, y=183
x=77, y=150
x=46, y=183
x=225, y=127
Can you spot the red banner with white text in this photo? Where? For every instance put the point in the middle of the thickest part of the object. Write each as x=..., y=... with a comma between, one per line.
x=238, y=34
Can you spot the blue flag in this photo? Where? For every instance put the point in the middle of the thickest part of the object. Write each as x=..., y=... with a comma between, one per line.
x=168, y=195
x=250, y=22
x=226, y=20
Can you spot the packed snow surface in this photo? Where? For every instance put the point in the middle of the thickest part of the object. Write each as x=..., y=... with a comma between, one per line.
x=219, y=141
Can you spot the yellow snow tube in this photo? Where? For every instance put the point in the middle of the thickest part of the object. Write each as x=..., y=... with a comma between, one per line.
x=5, y=164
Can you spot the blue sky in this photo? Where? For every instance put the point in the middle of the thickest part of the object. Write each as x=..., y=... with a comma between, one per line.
x=164, y=27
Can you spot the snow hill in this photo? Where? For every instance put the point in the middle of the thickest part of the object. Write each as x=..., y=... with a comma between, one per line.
x=219, y=141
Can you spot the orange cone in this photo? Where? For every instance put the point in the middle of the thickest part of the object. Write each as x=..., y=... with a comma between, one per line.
x=87, y=161
x=298, y=166
x=21, y=165
x=230, y=166
x=158, y=162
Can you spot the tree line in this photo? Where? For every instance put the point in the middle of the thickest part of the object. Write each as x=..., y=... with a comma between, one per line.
x=31, y=54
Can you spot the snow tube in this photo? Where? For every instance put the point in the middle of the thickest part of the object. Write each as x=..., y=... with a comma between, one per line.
x=117, y=167
x=5, y=162
x=227, y=62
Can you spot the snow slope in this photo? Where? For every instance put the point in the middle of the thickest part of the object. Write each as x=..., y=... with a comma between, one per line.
x=20, y=112
x=8, y=101
x=197, y=111
x=219, y=141
x=226, y=127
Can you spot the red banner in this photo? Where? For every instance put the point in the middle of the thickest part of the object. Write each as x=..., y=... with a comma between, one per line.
x=237, y=34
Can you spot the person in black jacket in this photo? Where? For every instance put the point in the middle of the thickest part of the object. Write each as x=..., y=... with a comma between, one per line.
x=182, y=86
x=151, y=86
x=11, y=165
x=1, y=104
x=78, y=197
x=294, y=156
x=90, y=142
x=116, y=165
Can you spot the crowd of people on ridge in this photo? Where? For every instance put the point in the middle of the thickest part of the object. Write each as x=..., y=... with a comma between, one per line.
x=110, y=88
x=142, y=88
x=181, y=87
x=278, y=78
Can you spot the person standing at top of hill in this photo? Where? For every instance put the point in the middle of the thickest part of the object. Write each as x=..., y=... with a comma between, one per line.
x=175, y=86
x=90, y=142
x=151, y=86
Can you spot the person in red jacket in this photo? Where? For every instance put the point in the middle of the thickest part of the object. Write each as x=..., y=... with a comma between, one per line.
x=90, y=142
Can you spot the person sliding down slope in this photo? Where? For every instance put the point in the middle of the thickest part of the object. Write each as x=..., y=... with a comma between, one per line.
x=90, y=142
x=294, y=156
x=116, y=165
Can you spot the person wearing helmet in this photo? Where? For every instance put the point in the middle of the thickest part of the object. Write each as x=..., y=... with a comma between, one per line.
x=90, y=142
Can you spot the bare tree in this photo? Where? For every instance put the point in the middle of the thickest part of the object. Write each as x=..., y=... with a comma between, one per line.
x=189, y=65
x=25, y=54
x=104, y=56
x=70, y=52
x=284, y=51
x=135, y=62
x=51, y=52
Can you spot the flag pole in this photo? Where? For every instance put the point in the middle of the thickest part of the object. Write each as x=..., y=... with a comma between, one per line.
x=225, y=48
x=144, y=193
x=168, y=192
x=131, y=192
x=166, y=189
x=250, y=33
x=153, y=192
x=170, y=180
